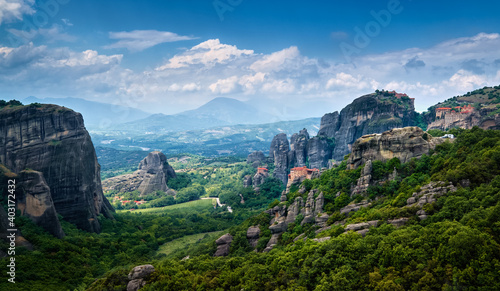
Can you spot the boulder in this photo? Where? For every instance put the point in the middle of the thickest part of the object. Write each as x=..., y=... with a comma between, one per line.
x=398, y=222
x=223, y=245
x=138, y=277
x=253, y=234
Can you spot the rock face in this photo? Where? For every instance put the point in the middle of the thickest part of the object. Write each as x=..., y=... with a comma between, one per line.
x=429, y=194
x=156, y=171
x=259, y=178
x=402, y=143
x=152, y=175
x=53, y=140
x=247, y=181
x=297, y=156
x=329, y=124
x=364, y=180
x=256, y=158
x=253, y=234
x=319, y=151
x=223, y=245
x=373, y=113
x=282, y=216
x=279, y=153
x=34, y=200
x=137, y=277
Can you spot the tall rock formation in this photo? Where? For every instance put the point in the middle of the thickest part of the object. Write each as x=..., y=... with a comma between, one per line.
x=152, y=175
x=297, y=156
x=156, y=172
x=329, y=124
x=34, y=200
x=53, y=140
x=402, y=143
x=372, y=113
x=256, y=159
x=319, y=151
x=279, y=153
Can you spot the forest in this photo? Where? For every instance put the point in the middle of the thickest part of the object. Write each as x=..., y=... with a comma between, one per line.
x=456, y=248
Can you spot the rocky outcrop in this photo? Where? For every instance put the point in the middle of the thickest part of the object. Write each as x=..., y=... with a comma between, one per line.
x=402, y=143
x=138, y=277
x=364, y=180
x=354, y=207
x=319, y=152
x=155, y=171
x=256, y=159
x=223, y=245
x=152, y=175
x=247, y=181
x=298, y=149
x=253, y=234
x=53, y=140
x=278, y=152
x=259, y=178
x=372, y=113
x=329, y=124
x=429, y=194
x=34, y=200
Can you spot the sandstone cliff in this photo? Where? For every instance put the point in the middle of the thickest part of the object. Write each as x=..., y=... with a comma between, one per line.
x=297, y=156
x=34, y=200
x=278, y=152
x=372, y=113
x=53, y=140
x=152, y=175
x=402, y=143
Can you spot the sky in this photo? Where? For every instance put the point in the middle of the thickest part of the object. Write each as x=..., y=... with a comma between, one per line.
x=292, y=58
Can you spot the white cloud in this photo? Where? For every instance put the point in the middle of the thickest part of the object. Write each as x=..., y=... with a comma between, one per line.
x=11, y=10
x=224, y=86
x=207, y=53
x=139, y=40
x=211, y=68
x=275, y=61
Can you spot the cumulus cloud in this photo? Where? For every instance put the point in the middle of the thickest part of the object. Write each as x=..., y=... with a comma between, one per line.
x=12, y=10
x=211, y=68
x=139, y=40
x=275, y=61
x=207, y=53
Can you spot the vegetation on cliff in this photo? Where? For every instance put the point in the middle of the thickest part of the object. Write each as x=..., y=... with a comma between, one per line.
x=456, y=247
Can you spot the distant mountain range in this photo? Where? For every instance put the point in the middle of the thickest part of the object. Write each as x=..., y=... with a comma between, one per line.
x=218, y=112
x=96, y=115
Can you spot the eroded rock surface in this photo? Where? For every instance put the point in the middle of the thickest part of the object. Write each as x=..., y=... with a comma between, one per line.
x=152, y=175
x=53, y=140
x=34, y=200
x=402, y=143
x=223, y=245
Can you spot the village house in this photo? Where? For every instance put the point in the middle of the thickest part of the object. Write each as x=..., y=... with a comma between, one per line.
x=300, y=172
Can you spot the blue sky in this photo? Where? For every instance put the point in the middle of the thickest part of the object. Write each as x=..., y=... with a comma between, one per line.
x=297, y=59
